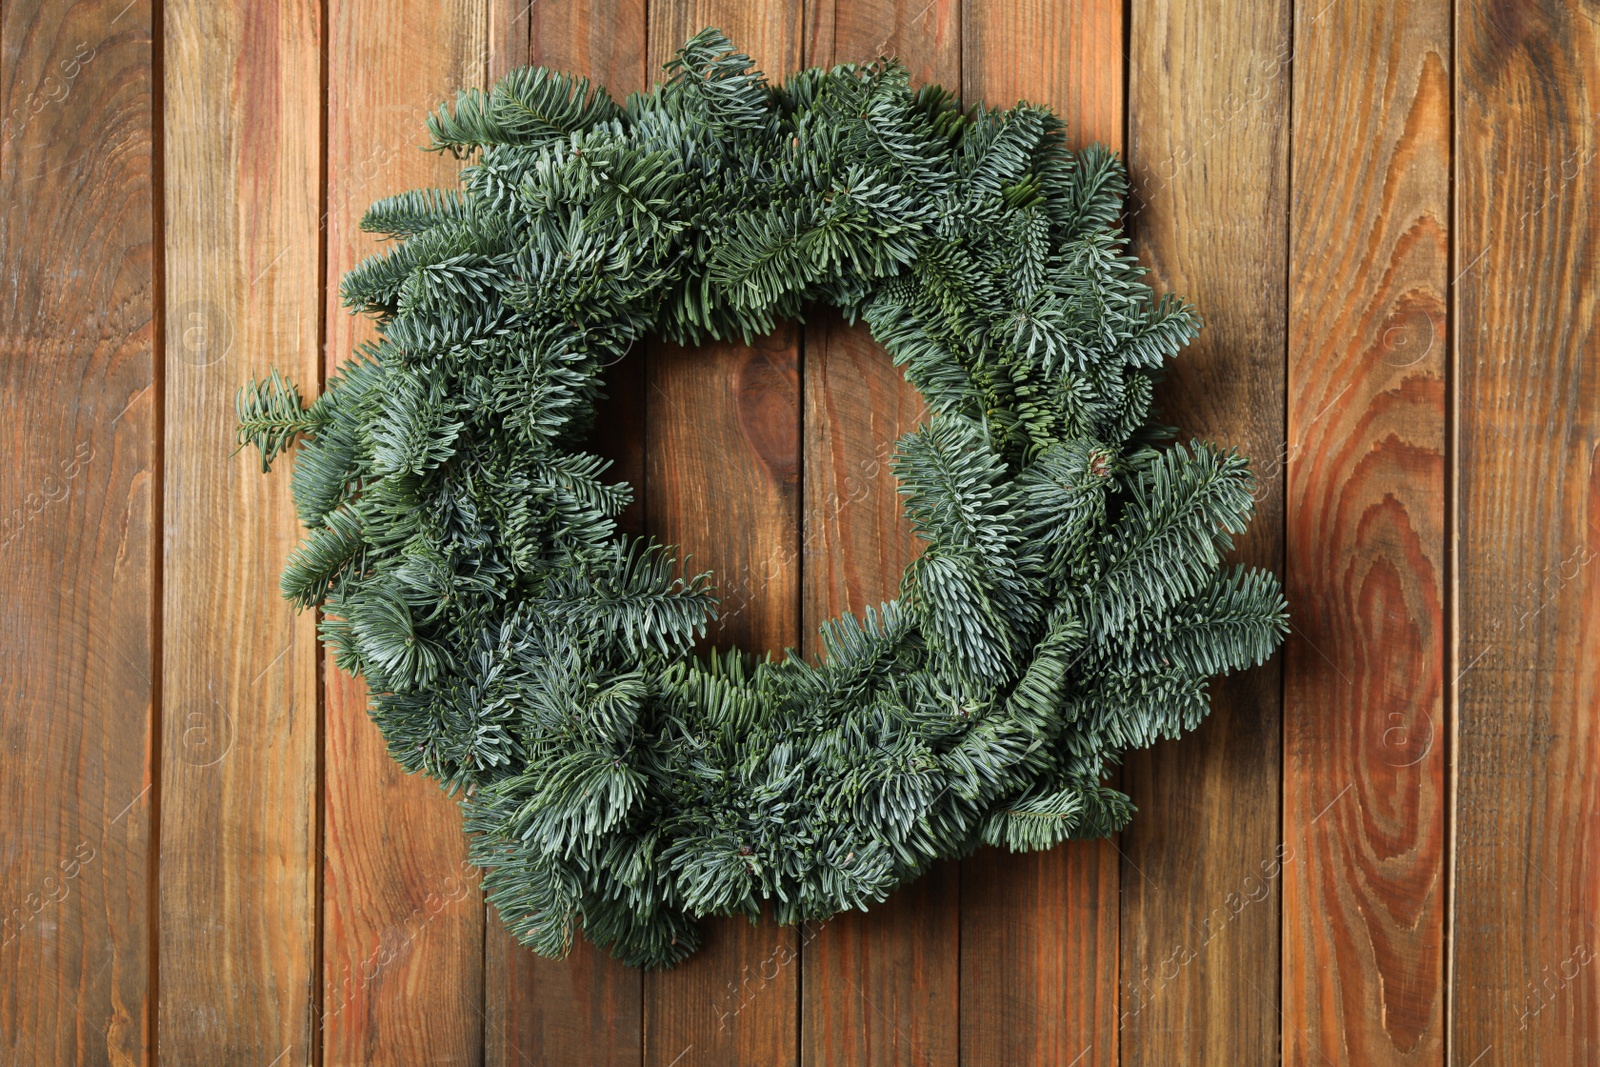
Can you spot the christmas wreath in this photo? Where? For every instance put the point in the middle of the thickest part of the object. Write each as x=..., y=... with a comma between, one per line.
x=1070, y=603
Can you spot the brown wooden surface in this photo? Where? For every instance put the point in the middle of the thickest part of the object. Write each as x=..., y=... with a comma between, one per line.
x=724, y=436
x=1381, y=210
x=1364, y=773
x=79, y=531
x=722, y=474
x=1525, y=987
x=403, y=916
x=588, y=1008
x=881, y=986
x=1208, y=126
x=1070, y=56
x=238, y=877
x=1033, y=924
x=1034, y=928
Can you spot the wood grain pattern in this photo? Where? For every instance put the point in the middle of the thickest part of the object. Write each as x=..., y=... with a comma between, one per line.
x=1364, y=717
x=586, y=1009
x=880, y=986
x=506, y=37
x=722, y=472
x=1527, y=886
x=1038, y=943
x=239, y=682
x=604, y=40
x=723, y=469
x=79, y=530
x=403, y=935
x=1207, y=146
x=1068, y=55
x=1434, y=508
x=1033, y=925
x=857, y=541
x=925, y=35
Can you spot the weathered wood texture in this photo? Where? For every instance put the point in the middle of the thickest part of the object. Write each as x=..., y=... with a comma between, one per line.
x=79, y=530
x=403, y=917
x=1069, y=56
x=604, y=40
x=588, y=1008
x=1382, y=211
x=1208, y=124
x=1527, y=886
x=722, y=482
x=880, y=986
x=1364, y=797
x=1034, y=927
x=1033, y=923
x=239, y=864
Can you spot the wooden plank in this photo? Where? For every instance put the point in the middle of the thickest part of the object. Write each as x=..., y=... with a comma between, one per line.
x=1364, y=717
x=1069, y=56
x=1208, y=143
x=506, y=37
x=722, y=471
x=1039, y=956
x=239, y=747
x=604, y=40
x=880, y=986
x=1527, y=886
x=586, y=1009
x=78, y=520
x=1039, y=931
x=403, y=935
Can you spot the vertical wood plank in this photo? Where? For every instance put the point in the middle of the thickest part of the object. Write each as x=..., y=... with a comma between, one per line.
x=1364, y=716
x=1527, y=884
x=1208, y=150
x=880, y=986
x=604, y=40
x=588, y=1008
x=1039, y=931
x=1067, y=55
x=585, y=1009
x=403, y=936
x=722, y=466
x=78, y=529
x=238, y=834
x=506, y=37
x=723, y=469
x=1039, y=956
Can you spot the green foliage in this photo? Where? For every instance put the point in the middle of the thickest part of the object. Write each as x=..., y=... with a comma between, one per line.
x=1071, y=602
x=527, y=107
x=271, y=417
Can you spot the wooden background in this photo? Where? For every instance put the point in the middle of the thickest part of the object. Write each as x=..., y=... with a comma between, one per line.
x=1380, y=849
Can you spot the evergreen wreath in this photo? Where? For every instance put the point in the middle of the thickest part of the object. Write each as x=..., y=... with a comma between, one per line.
x=1070, y=603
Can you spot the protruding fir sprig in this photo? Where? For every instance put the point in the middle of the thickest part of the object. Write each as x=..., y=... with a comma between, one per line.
x=271, y=416
x=527, y=107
